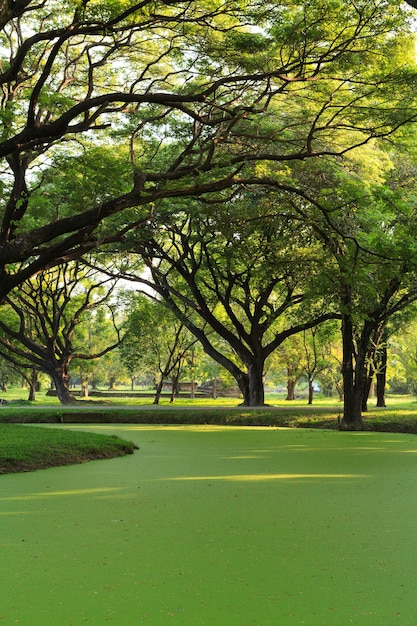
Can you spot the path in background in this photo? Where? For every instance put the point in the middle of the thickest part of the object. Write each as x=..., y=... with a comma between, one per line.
x=216, y=526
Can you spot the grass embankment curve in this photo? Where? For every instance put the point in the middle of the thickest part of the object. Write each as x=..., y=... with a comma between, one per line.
x=21, y=451
x=25, y=449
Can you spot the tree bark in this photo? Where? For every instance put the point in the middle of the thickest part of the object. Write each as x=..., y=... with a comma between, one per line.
x=61, y=379
x=310, y=391
x=175, y=387
x=291, y=383
x=33, y=381
x=214, y=392
x=64, y=394
x=252, y=386
x=353, y=380
x=369, y=376
x=381, y=378
x=158, y=390
x=84, y=388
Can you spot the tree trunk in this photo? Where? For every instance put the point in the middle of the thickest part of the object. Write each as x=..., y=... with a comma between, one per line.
x=381, y=378
x=192, y=368
x=369, y=377
x=291, y=383
x=310, y=391
x=214, y=392
x=252, y=386
x=64, y=394
x=158, y=390
x=353, y=380
x=84, y=388
x=175, y=388
x=61, y=380
x=33, y=380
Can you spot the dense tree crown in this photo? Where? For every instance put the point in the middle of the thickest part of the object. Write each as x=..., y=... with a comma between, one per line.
x=188, y=94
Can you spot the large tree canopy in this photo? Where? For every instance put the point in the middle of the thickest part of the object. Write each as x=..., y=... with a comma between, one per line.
x=247, y=275
x=188, y=95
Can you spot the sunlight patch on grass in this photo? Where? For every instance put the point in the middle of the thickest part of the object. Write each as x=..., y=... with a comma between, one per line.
x=246, y=456
x=266, y=477
x=69, y=492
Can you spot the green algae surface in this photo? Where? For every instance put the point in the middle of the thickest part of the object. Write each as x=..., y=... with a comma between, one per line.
x=216, y=526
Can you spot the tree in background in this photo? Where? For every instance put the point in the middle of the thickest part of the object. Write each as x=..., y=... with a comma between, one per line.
x=291, y=358
x=97, y=330
x=40, y=322
x=317, y=344
x=155, y=342
x=247, y=276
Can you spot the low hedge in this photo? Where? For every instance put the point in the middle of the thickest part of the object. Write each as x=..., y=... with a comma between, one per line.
x=294, y=417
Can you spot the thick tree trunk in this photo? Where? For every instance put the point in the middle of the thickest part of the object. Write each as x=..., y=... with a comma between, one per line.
x=158, y=390
x=353, y=380
x=291, y=383
x=64, y=394
x=252, y=386
x=61, y=379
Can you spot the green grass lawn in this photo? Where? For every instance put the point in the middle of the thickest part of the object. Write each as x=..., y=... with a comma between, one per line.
x=24, y=449
x=214, y=526
x=208, y=523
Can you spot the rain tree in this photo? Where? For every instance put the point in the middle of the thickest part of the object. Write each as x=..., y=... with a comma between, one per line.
x=247, y=276
x=40, y=322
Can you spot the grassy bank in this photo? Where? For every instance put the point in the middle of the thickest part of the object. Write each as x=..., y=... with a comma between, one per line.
x=24, y=449
x=398, y=417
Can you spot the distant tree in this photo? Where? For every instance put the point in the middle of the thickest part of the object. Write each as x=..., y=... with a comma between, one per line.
x=40, y=321
x=292, y=357
x=8, y=375
x=317, y=344
x=155, y=341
